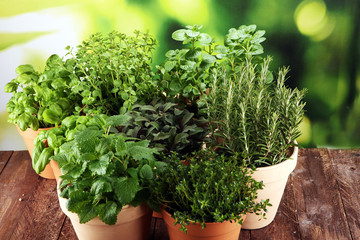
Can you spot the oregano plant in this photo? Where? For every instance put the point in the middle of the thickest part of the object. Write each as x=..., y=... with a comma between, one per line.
x=113, y=72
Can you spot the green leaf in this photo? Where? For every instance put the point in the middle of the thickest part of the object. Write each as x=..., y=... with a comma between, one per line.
x=108, y=212
x=126, y=189
x=23, y=121
x=179, y=35
x=43, y=160
x=99, y=167
x=11, y=87
x=50, y=116
x=205, y=39
x=146, y=172
x=80, y=203
x=100, y=186
x=187, y=117
x=169, y=65
x=117, y=120
x=38, y=148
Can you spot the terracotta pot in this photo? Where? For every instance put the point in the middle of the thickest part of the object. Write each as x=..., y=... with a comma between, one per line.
x=56, y=170
x=29, y=135
x=133, y=223
x=213, y=231
x=274, y=179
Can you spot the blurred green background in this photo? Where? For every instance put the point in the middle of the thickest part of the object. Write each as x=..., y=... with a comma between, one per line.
x=318, y=39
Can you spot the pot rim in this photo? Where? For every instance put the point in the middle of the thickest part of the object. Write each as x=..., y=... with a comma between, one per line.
x=164, y=211
x=293, y=157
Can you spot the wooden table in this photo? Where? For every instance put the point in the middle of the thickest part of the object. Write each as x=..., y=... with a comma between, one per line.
x=321, y=201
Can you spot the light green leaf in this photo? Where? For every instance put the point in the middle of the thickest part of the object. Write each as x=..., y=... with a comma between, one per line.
x=126, y=189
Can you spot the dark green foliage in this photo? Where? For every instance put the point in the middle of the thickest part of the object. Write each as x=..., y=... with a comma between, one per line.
x=205, y=187
x=166, y=126
x=41, y=99
x=253, y=115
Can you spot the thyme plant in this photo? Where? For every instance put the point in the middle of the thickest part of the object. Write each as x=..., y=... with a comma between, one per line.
x=205, y=187
x=254, y=115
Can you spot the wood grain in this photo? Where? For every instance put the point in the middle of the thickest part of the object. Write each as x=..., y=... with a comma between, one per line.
x=67, y=230
x=321, y=201
x=4, y=158
x=41, y=217
x=347, y=171
x=17, y=181
x=317, y=198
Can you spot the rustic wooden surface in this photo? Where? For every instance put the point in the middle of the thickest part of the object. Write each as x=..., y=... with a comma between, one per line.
x=321, y=201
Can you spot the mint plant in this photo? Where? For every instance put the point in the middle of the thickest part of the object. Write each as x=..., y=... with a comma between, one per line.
x=206, y=187
x=103, y=171
x=185, y=72
x=48, y=143
x=41, y=99
x=188, y=72
x=113, y=72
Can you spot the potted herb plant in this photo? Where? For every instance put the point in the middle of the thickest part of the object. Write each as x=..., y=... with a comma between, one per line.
x=206, y=195
x=168, y=126
x=256, y=116
x=113, y=72
x=41, y=100
x=105, y=183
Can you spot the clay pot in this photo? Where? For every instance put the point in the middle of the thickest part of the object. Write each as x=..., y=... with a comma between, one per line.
x=29, y=135
x=56, y=170
x=274, y=179
x=133, y=223
x=212, y=231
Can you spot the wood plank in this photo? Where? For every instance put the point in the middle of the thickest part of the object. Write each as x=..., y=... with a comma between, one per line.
x=320, y=211
x=244, y=234
x=347, y=168
x=41, y=217
x=4, y=158
x=161, y=232
x=67, y=231
x=17, y=180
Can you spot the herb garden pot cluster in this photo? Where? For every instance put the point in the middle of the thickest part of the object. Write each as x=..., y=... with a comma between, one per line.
x=122, y=140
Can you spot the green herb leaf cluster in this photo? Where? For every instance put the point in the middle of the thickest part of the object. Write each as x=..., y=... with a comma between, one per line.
x=187, y=73
x=113, y=72
x=206, y=187
x=253, y=115
x=103, y=171
x=166, y=126
x=41, y=99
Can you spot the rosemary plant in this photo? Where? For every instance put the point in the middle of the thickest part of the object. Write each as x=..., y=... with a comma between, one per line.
x=254, y=115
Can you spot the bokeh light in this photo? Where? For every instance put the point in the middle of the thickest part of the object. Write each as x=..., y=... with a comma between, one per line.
x=313, y=20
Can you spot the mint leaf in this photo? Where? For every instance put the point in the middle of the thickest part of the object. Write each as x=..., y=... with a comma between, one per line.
x=126, y=189
x=146, y=172
x=100, y=186
x=108, y=212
